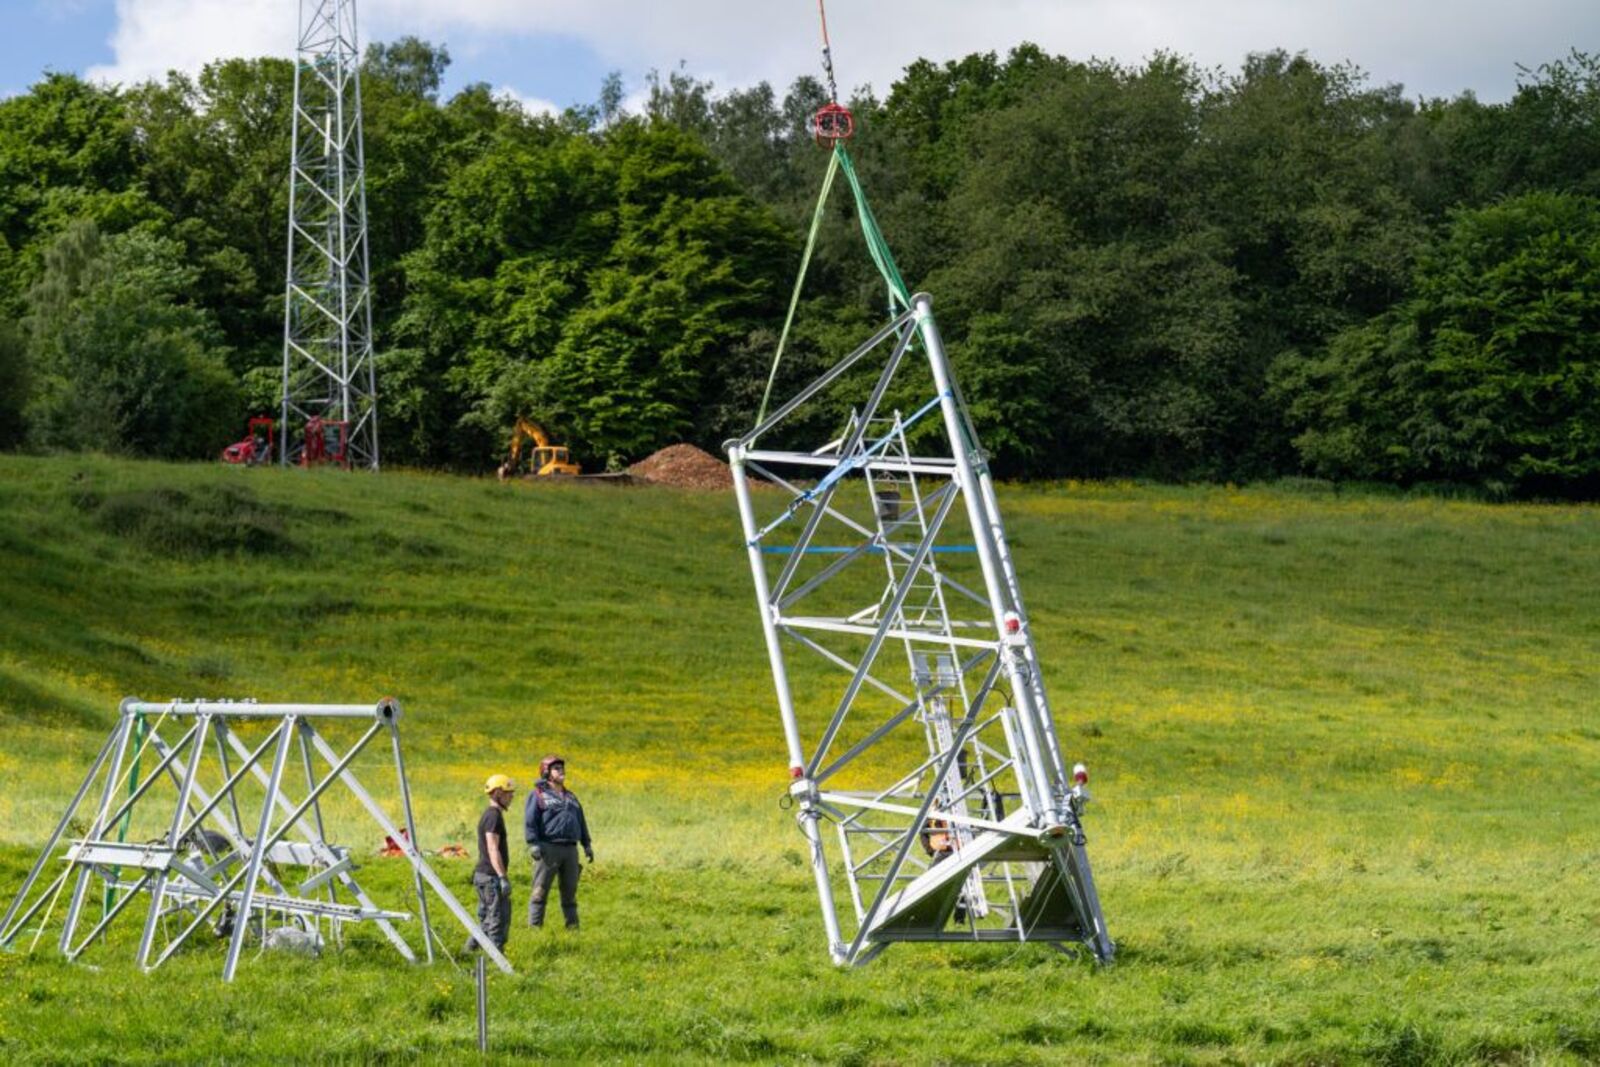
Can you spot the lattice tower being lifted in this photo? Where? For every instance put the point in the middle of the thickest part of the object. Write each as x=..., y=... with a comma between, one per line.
x=926, y=770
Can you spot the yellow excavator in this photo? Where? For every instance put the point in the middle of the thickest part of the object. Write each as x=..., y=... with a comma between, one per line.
x=545, y=460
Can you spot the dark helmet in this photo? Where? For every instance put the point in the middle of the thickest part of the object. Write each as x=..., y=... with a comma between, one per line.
x=548, y=762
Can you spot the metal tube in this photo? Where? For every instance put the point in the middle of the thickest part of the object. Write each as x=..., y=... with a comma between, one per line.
x=807, y=816
x=1046, y=715
x=245, y=709
x=288, y=269
x=415, y=859
x=821, y=383
x=982, y=534
x=311, y=781
x=222, y=757
x=185, y=791
x=483, y=1004
x=125, y=725
x=6, y=933
x=769, y=627
x=258, y=854
x=411, y=828
x=366, y=284
x=326, y=881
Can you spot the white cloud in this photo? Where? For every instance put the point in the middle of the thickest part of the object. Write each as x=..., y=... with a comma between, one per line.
x=1434, y=47
x=155, y=36
x=533, y=105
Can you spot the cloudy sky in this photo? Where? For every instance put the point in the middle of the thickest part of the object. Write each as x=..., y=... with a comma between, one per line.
x=557, y=51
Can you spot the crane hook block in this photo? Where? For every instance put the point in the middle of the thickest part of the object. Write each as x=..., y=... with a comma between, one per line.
x=833, y=123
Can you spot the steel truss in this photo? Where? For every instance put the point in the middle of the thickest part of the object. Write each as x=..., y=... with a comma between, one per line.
x=954, y=815
x=232, y=845
x=328, y=370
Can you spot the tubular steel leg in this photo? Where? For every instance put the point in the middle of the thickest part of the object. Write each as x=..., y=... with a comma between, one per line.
x=415, y=858
x=316, y=814
x=105, y=921
x=82, y=881
x=258, y=852
x=158, y=894
x=483, y=1004
x=808, y=815
x=982, y=523
x=411, y=828
x=7, y=934
x=985, y=522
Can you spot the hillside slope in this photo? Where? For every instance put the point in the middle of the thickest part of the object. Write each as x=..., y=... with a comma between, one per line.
x=1344, y=754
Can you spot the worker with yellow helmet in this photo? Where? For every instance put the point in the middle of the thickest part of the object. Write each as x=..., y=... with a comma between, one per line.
x=490, y=877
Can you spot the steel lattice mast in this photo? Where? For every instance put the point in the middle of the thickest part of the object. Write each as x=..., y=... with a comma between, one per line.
x=884, y=556
x=328, y=371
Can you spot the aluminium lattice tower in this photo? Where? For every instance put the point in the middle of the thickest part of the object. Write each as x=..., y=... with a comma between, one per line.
x=328, y=370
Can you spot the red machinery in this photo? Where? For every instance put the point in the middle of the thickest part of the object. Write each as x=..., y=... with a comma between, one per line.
x=326, y=442
x=254, y=450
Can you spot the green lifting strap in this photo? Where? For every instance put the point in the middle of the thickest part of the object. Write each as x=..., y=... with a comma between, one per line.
x=877, y=247
x=799, y=282
x=882, y=258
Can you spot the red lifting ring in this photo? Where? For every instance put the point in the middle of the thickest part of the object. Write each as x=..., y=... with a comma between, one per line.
x=833, y=123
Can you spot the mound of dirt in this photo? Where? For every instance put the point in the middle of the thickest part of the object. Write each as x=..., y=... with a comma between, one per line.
x=683, y=467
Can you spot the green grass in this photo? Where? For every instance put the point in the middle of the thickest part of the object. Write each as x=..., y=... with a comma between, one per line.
x=1345, y=755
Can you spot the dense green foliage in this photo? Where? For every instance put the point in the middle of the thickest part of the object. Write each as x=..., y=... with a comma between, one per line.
x=1149, y=270
x=1489, y=373
x=121, y=361
x=1342, y=745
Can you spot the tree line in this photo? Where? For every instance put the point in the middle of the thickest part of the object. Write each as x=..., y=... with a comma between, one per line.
x=1150, y=270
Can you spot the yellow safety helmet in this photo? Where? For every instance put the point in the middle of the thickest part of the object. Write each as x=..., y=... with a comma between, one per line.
x=499, y=781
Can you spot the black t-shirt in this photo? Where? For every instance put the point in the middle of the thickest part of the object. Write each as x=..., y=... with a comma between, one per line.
x=493, y=822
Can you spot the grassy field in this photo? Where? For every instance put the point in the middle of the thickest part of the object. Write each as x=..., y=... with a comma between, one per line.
x=1345, y=748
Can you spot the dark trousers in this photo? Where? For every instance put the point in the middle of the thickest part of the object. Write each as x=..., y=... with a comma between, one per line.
x=494, y=910
x=555, y=861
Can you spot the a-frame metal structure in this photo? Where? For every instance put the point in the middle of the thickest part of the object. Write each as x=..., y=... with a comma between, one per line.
x=328, y=369
x=197, y=822
x=921, y=739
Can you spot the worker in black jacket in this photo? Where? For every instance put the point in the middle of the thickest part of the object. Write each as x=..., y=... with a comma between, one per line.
x=491, y=877
x=554, y=826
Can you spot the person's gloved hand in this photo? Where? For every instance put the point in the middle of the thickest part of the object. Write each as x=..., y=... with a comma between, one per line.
x=534, y=851
x=588, y=853
x=505, y=884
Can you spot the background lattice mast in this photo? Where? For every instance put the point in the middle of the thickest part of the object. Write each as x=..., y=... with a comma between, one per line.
x=328, y=367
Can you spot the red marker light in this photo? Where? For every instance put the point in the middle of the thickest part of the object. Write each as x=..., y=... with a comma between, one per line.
x=1080, y=774
x=797, y=772
x=1013, y=622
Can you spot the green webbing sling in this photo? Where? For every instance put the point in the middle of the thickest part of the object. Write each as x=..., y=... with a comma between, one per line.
x=882, y=258
x=877, y=247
